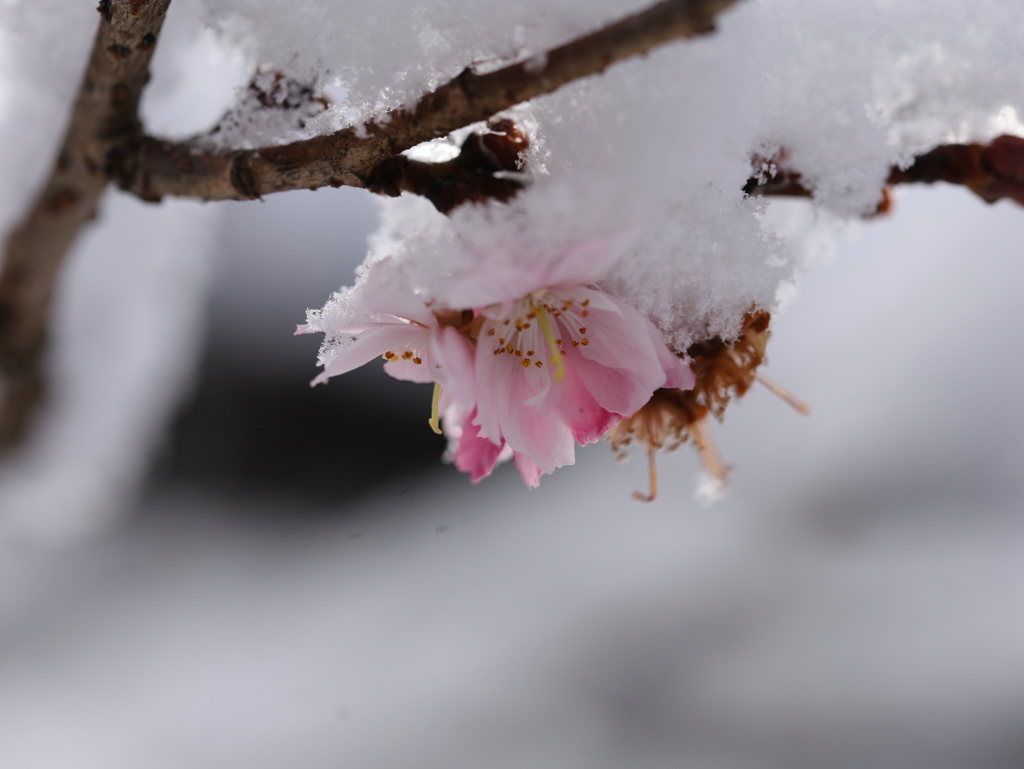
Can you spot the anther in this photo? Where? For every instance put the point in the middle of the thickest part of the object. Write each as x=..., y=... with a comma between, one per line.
x=583, y=329
x=585, y=342
x=406, y=355
x=509, y=347
x=417, y=361
x=529, y=352
x=525, y=362
x=526, y=325
x=490, y=332
x=539, y=364
x=501, y=340
x=389, y=355
x=585, y=303
x=519, y=353
x=585, y=313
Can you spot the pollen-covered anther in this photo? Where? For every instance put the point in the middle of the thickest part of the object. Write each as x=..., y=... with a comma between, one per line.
x=509, y=347
x=490, y=332
x=417, y=361
x=584, y=342
x=389, y=355
x=575, y=343
x=525, y=362
x=583, y=329
x=539, y=364
x=529, y=352
x=406, y=355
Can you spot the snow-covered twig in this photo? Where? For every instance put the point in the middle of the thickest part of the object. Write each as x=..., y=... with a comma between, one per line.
x=352, y=156
x=992, y=171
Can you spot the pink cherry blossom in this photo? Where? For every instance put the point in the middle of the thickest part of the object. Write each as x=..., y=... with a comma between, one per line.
x=557, y=360
x=379, y=319
x=563, y=361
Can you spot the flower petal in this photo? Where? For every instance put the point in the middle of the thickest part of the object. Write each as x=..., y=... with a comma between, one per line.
x=342, y=355
x=475, y=455
x=585, y=261
x=585, y=416
x=528, y=471
x=451, y=365
x=620, y=365
x=502, y=391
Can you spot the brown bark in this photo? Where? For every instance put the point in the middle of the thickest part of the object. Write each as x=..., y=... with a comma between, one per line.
x=104, y=122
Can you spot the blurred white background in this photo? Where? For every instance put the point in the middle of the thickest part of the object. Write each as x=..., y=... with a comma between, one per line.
x=301, y=582
x=858, y=599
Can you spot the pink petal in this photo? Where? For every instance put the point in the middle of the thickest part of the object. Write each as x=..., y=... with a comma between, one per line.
x=585, y=261
x=620, y=366
x=367, y=346
x=384, y=290
x=677, y=373
x=452, y=366
x=409, y=371
x=475, y=455
x=528, y=471
x=502, y=390
x=588, y=420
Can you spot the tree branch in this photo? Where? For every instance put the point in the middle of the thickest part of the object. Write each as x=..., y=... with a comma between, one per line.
x=105, y=141
x=992, y=171
x=351, y=157
x=104, y=122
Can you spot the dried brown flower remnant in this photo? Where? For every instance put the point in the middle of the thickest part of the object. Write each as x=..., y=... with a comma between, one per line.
x=485, y=169
x=671, y=417
x=726, y=369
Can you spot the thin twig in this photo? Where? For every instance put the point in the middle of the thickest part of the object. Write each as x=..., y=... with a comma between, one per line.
x=104, y=122
x=351, y=156
x=992, y=171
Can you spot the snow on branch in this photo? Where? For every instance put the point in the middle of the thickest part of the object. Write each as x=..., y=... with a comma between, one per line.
x=352, y=156
x=104, y=123
x=992, y=171
x=105, y=141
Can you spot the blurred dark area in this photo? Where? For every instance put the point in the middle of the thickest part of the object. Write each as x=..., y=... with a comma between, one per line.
x=244, y=435
x=253, y=427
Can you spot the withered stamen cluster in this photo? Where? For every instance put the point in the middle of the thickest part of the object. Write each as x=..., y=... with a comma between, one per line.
x=671, y=417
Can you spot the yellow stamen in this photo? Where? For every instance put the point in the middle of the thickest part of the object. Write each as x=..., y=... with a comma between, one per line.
x=435, y=416
x=549, y=337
